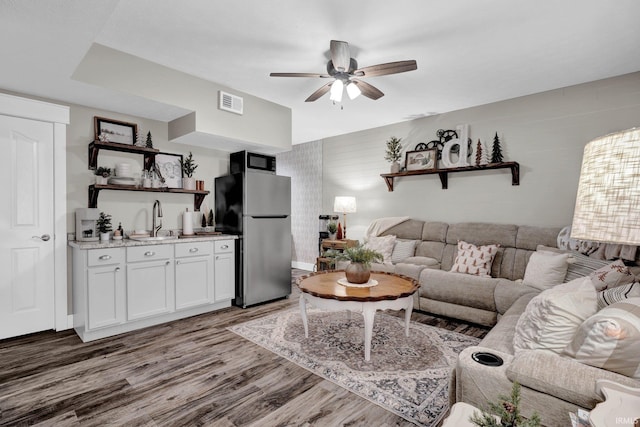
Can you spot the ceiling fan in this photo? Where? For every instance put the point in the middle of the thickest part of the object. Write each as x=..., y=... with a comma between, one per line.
x=345, y=72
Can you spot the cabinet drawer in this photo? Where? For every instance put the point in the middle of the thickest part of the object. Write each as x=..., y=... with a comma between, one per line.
x=149, y=253
x=223, y=246
x=97, y=257
x=193, y=249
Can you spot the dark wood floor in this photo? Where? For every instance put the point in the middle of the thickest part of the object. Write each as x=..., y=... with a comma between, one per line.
x=185, y=373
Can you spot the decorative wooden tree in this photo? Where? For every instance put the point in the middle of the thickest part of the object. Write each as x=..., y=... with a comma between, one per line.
x=211, y=222
x=496, y=154
x=479, y=153
x=149, y=142
x=204, y=220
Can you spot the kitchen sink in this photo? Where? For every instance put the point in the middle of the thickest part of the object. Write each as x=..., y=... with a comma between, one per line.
x=153, y=239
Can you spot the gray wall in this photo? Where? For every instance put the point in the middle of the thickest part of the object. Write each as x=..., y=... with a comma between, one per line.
x=545, y=132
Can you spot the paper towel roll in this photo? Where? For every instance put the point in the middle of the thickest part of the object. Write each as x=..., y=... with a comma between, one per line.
x=187, y=223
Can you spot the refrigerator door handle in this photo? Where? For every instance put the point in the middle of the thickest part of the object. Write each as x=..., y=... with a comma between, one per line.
x=268, y=216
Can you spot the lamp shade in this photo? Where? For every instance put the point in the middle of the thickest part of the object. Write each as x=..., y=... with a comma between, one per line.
x=344, y=204
x=608, y=202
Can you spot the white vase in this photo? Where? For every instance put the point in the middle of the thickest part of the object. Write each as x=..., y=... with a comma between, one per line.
x=332, y=236
x=189, y=183
x=101, y=180
x=104, y=237
x=395, y=167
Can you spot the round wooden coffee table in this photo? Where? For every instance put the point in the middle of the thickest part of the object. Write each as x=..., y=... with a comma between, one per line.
x=322, y=290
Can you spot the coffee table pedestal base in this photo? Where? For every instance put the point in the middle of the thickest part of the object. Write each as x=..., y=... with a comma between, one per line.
x=367, y=308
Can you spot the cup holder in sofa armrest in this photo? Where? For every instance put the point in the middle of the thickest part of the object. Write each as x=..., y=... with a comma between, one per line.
x=488, y=359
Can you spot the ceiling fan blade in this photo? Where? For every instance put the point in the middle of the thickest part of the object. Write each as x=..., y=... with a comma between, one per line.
x=368, y=90
x=317, y=94
x=387, y=68
x=324, y=76
x=340, y=55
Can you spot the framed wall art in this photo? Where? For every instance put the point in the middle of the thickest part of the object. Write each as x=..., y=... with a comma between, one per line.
x=421, y=160
x=108, y=130
x=168, y=166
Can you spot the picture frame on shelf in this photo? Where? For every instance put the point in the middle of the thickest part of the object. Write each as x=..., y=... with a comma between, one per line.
x=114, y=131
x=169, y=167
x=421, y=160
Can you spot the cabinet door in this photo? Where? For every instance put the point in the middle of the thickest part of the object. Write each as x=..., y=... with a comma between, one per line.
x=105, y=296
x=149, y=289
x=194, y=281
x=225, y=277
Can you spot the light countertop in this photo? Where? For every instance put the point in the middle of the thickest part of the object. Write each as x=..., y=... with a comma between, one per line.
x=128, y=242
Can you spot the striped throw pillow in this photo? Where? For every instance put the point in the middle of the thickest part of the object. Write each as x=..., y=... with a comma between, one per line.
x=402, y=250
x=617, y=294
x=583, y=266
x=610, y=339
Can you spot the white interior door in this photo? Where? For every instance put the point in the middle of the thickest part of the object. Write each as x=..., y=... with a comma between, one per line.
x=27, y=225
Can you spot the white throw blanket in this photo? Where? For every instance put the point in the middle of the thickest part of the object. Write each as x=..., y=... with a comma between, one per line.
x=380, y=225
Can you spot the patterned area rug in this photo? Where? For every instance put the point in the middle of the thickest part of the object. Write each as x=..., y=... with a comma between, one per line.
x=407, y=376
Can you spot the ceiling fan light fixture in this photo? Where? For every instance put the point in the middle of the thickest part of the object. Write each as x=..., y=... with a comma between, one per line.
x=336, y=90
x=353, y=90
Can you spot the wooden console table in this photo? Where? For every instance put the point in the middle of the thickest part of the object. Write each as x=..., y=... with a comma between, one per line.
x=324, y=263
x=444, y=173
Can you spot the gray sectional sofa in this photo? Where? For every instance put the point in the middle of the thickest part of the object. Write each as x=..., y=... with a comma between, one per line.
x=551, y=385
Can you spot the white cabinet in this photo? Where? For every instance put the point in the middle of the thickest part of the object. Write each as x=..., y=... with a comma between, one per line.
x=225, y=274
x=194, y=274
x=150, y=281
x=120, y=289
x=105, y=299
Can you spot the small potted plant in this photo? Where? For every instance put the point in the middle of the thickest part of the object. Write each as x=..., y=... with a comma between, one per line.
x=393, y=153
x=102, y=175
x=332, y=228
x=361, y=257
x=103, y=224
x=188, y=167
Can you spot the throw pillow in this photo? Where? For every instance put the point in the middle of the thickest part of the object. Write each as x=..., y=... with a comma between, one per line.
x=583, y=265
x=617, y=294
x=610, y=339
x=384, y=245
x=611, y=275
x=402, y=250
x=476, y=260
x=546, y=269
x=552, y=318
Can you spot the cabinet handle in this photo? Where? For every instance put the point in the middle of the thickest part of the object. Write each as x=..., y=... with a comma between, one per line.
x=193, y=250
x=149, y=253
x=217, y=257
x=224, y=247
x=167, y=263
x=105, y=257
x=177, y=262
x=117, y=269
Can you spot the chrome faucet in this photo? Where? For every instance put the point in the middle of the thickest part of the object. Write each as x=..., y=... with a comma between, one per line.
x=154, y=228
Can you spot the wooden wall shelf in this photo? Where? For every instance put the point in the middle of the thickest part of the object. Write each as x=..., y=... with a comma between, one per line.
x=96, y=146
x=94, y=191
x=444, y=173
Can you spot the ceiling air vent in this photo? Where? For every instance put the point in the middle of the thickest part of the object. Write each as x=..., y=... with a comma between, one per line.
x=231, y=103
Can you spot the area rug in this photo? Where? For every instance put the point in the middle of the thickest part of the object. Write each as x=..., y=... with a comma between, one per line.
x=408, y=376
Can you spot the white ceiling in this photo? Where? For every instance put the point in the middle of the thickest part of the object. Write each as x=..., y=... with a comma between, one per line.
x=469, y=52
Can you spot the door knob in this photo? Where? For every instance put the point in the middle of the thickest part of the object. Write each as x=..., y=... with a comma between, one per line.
x=44, y=237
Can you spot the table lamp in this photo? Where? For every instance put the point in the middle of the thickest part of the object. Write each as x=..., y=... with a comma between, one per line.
x=608, y=202
x=344, y=205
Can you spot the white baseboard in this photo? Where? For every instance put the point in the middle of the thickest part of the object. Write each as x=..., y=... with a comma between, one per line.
x=303, y=265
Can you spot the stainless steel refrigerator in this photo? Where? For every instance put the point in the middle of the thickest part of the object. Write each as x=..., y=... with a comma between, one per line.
x=257, y=207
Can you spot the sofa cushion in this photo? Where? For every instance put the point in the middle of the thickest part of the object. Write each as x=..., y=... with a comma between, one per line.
x=617, y=294
x=610, y=339
x=460, y=289
x=475, y=260
x=422, y=260
x=402, y=250
x=546, y=269
x=383, y=244
x=553, y=316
